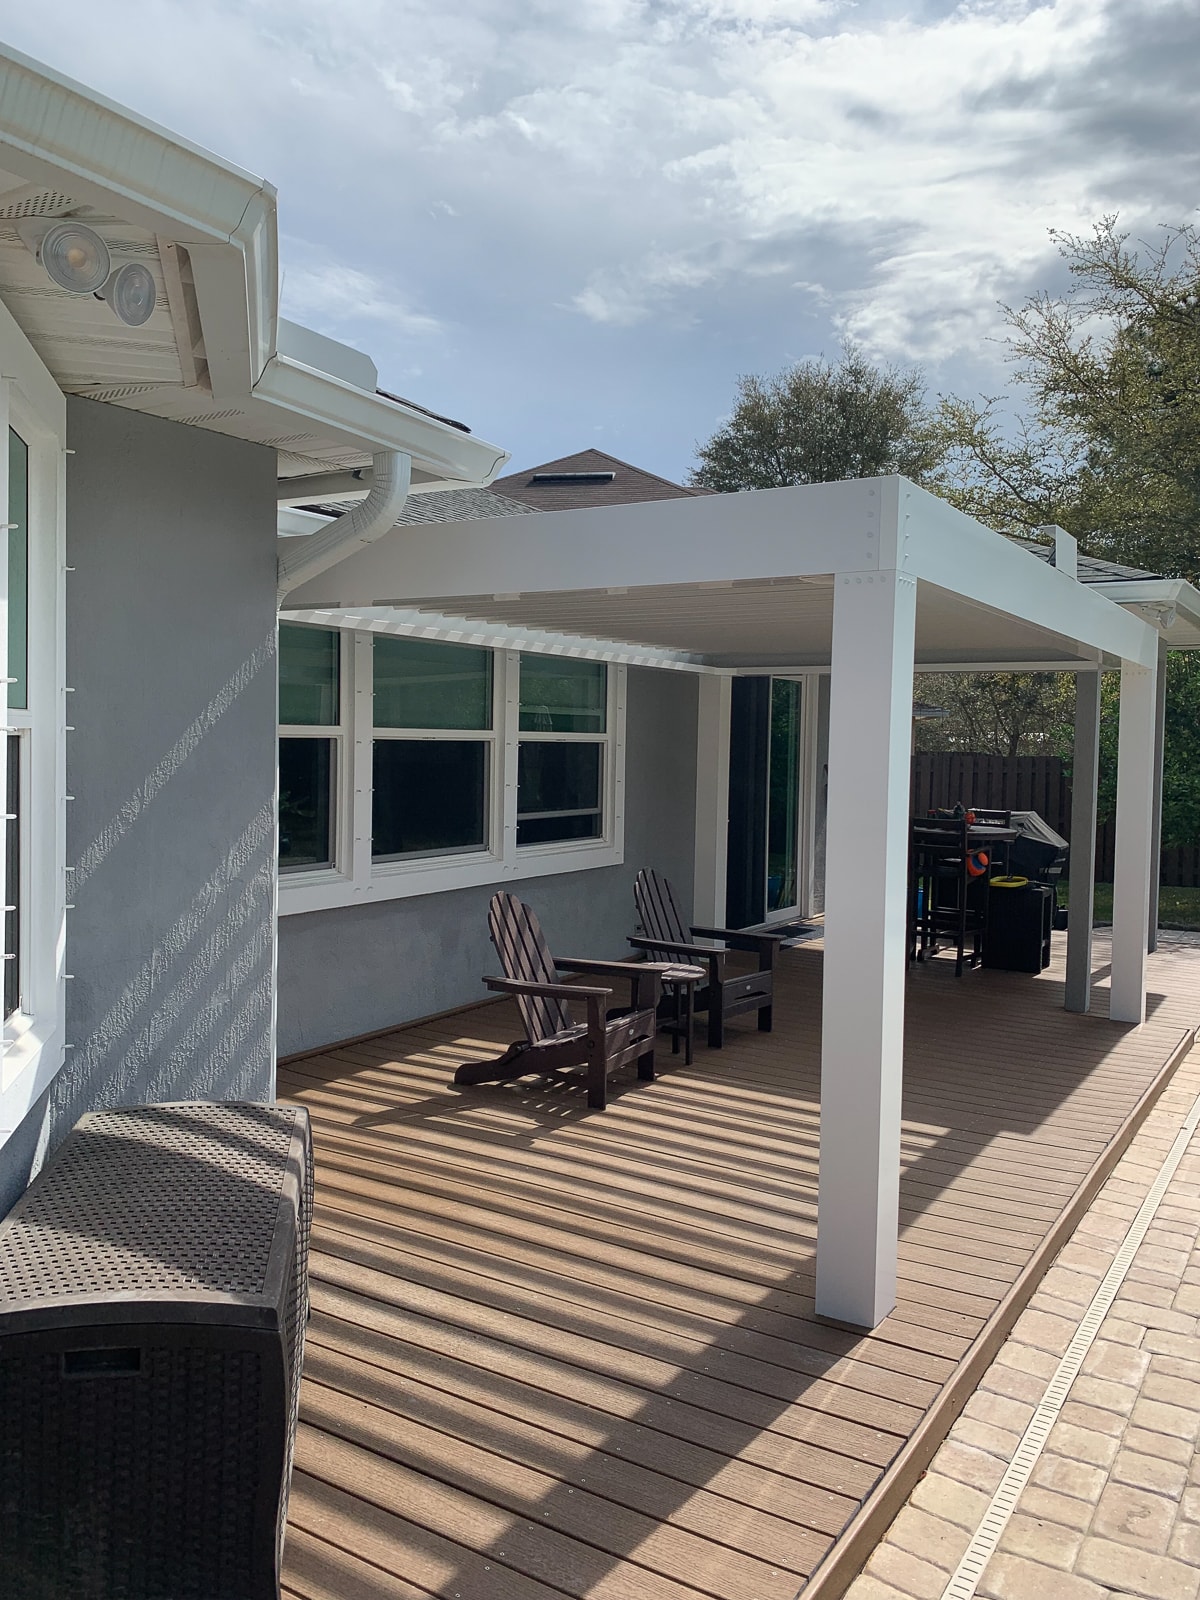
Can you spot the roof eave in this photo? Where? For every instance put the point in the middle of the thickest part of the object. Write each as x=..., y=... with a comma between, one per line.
x=438, y=450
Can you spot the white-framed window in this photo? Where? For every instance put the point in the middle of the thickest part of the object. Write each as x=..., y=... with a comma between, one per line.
x=312, y=747
x=433, y=762
x=448, y=765
x=32, y=491
x=563, y=723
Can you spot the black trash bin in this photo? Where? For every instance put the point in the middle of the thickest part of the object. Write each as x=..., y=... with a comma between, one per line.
x=1017, y=937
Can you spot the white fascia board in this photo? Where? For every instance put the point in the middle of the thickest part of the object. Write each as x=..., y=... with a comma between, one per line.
x=497, y=636
x=814, y=530
x=377, y=424
x=943, y=546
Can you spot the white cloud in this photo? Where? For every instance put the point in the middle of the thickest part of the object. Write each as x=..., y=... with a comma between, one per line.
x=331, y=295
x=658, y=185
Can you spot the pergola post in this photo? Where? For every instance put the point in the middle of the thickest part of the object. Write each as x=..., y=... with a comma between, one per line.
x=866, y=876
x=715, y=698
x=1160, y=725
x=1135, y=828
x=1085, y=774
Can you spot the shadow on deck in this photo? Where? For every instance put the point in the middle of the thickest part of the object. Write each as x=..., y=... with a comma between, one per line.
x=558, y=1353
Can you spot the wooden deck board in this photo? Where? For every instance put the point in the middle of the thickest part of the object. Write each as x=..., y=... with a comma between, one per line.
x=560, y=1353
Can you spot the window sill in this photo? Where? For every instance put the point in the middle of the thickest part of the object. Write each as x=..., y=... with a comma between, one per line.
x=32, y=1060
x=409, y=879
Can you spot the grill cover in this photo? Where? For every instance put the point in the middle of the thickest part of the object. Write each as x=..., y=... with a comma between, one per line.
x=153, y=1300
x=1037, y=852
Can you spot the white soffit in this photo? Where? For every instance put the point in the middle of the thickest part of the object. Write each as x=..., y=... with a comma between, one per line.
x=207, y=231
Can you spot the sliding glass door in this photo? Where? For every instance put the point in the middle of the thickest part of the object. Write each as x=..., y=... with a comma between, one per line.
x=784, y=767
x=766, y=776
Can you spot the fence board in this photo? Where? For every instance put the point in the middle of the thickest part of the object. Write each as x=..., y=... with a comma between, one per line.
x=1029, y=783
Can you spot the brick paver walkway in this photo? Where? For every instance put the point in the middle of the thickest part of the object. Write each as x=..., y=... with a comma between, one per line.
x=1112, y=1509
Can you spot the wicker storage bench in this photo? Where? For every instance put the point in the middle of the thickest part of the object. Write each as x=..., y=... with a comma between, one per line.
x=153, y=1299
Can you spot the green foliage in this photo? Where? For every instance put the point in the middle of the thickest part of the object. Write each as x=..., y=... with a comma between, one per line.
x=818, y=422
x=1181, y=749
x=997, y=713
x=1110, y=446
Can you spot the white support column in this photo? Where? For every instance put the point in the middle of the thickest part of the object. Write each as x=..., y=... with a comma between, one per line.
x=1160, y=722
x=1085, y=774
x=1135, y=827
x=862, y=1028
x=712, y=798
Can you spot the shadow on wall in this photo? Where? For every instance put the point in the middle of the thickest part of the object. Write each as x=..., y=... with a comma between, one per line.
x=192, y=1019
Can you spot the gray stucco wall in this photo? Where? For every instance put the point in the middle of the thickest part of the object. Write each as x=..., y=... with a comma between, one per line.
x=351, y=971
x=171, y=652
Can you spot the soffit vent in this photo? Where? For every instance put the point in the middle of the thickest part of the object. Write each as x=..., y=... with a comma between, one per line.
x=208, y=417
x=42, y=203
x=127, y=391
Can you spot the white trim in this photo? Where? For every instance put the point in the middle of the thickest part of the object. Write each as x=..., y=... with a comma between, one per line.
x=33, y=1049
x=714, y=701
x=357, y=879
x=809, y=781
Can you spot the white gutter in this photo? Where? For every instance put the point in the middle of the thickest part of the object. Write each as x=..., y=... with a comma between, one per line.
x=301, y=559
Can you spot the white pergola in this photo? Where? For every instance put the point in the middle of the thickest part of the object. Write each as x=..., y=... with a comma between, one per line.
x=867, y=579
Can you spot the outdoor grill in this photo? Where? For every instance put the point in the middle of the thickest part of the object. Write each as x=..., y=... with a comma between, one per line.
x=153, y=1301
x=1037, y=853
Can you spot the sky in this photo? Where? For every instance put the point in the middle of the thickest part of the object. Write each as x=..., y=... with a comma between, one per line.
x=574, y=223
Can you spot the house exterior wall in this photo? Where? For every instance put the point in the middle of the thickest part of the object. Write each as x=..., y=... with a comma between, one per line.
x=351, y=971
x=171, y=766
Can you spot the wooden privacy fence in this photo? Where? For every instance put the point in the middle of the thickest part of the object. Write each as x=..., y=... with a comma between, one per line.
x=1029, y=783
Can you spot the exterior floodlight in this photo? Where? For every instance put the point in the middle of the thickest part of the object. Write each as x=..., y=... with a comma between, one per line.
x=130, y=292
x=75, y=257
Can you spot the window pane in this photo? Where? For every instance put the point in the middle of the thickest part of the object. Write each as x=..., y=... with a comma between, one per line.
x=430, y=797
x=12, y=880
x=308, y=676
x=305, y=803
x=18, y=572
x=558, y=792
x=560, y=695
x=422, y=684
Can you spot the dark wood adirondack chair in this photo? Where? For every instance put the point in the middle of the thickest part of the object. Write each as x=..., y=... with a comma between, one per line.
x=665, y=937
x=607, y=1041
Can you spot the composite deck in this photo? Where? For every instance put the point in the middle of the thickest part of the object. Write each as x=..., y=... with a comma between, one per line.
x=559, y=1353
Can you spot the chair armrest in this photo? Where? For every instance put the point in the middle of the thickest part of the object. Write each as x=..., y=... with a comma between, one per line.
x=610, y=969
x=763, y=945
x=641, y=974
x=545, y=991
x=701, y=952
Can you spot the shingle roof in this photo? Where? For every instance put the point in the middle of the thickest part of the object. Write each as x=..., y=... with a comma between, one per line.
x=628, y=485
x=1091, y=568
x=441, y=505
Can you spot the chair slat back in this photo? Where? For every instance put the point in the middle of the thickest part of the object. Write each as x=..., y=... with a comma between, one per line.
x=657, y=913
x=521, y=946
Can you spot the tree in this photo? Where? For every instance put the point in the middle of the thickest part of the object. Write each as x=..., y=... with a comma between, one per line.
x=1110, y=447
x=997, y=713
x=818, y=422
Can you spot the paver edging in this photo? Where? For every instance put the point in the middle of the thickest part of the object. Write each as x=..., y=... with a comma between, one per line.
x=854, y=1545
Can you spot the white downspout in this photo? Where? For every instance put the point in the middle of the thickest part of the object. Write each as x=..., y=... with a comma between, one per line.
x=370, y=519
